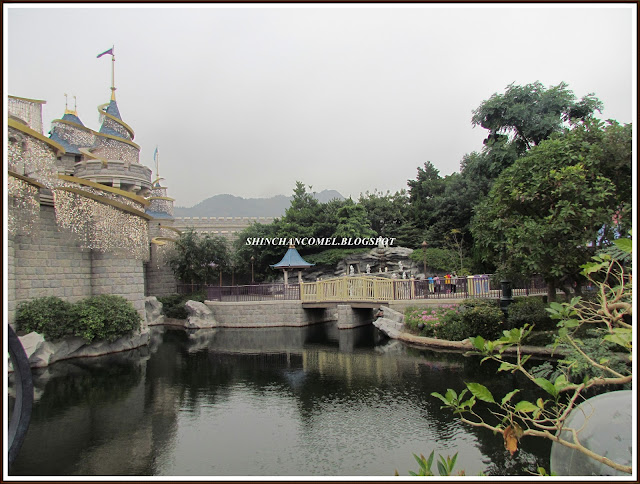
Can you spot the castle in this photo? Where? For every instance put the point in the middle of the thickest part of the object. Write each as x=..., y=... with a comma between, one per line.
x=84, y=216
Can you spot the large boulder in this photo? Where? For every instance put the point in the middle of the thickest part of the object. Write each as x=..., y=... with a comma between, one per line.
x=390, y=322
x=153, y=308
x=31, y=342
x=200, y=316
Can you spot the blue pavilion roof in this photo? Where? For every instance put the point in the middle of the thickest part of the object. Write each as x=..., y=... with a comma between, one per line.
x=292, y=260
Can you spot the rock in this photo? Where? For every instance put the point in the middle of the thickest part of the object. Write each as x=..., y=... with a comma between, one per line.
x=31, y=342
x=200, y=316
x=392, y=314
x=389, y=327
x=153, y=308
x=49, y=352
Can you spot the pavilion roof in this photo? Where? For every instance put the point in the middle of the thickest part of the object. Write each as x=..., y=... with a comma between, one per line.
x=292, y=260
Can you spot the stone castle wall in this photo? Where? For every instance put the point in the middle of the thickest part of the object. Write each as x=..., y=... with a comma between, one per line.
x=51, y=263
x=228, y=227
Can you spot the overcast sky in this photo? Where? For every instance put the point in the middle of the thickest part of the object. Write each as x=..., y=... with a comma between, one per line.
x=247, y=100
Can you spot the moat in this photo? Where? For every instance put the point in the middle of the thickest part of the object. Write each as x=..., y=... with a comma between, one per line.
x=312, y=401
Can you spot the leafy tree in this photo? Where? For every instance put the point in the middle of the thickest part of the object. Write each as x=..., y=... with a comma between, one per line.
x=352, y=221
x=199, y=259
x=423, y=194
x=545, y=213
x=530, y=114
x=263, y=255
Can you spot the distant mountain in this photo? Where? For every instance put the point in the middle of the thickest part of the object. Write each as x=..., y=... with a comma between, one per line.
x=232, y=206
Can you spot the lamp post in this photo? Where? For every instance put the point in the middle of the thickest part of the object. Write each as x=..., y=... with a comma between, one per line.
x=424, y=255
x=253, y=259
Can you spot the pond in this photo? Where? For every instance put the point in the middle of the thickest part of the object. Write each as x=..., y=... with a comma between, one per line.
x=313, y=401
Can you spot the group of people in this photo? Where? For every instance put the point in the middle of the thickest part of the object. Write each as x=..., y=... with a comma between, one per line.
x=445, y=284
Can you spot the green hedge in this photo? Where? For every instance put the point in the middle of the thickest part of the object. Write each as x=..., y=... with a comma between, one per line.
x=529, y=310
x=105, y=317
x=49, y=316
x=173, y=305
x=482, y=317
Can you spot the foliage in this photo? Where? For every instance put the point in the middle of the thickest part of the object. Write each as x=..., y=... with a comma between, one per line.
x=516, y=418
x=529, y=310
x=532, y=113
x=443, y=322
x=173, y=304
x=437, y=259
x=481, y=317
x=104, y=317
x=455, y=322
x=547, y=211
x=389, y=216
x=49, y=316
x=352, y=221
x=445, y=465
x=199, y=259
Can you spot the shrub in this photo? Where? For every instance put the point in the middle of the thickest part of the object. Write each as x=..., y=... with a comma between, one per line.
x=105, y=317
x=482, y=317
x=529, y=310
x=173, y=305
x=49, y=316
x=441, y=322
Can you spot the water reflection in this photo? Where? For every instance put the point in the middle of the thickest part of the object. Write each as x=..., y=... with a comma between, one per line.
x=285, y=401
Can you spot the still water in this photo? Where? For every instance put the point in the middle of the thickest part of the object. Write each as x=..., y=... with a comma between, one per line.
x=312, y=401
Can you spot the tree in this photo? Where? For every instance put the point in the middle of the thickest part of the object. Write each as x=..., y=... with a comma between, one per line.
x=546, y=213
x=609, y=316
x=197, y=259
x=352, y=221
x=530, y=114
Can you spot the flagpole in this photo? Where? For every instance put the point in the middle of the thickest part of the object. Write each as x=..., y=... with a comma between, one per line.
x=113, y=68
x=157, y=169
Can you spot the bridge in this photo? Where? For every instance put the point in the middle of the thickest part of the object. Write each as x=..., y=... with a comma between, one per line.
x=368, y=291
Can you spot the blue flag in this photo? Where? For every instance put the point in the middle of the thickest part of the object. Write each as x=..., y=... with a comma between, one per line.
x=110, y=51
x=155, y=153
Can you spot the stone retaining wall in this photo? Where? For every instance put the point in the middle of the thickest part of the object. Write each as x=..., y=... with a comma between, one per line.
x=258, y=314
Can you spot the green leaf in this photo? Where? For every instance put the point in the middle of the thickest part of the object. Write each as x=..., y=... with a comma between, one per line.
x=624, y=245
x=444, y=400
x=525, y=407
x=480, y=392
x=547, y=386
x=561, y=383
x=508, y=396
x=451, y=395
x=507, y=366
x=477, y=342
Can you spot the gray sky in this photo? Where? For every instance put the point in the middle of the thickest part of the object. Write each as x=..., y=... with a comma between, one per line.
x=247, y=100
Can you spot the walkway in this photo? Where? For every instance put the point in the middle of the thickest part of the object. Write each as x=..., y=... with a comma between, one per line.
x=368, y=291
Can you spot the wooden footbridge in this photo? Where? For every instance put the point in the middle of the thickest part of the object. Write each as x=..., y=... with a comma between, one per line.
x=368, y=291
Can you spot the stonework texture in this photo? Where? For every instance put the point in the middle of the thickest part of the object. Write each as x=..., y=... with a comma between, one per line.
x=260, y=314
x=51, y=263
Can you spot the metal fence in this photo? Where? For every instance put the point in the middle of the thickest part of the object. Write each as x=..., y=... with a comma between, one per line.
x=258, y=292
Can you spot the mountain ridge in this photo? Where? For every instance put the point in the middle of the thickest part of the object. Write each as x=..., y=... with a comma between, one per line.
x=227, y=205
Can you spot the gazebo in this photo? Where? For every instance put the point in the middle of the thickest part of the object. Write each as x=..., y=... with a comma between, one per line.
x=292, y=260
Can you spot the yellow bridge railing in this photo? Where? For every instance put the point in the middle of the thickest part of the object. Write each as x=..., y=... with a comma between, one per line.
x=354, y=288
